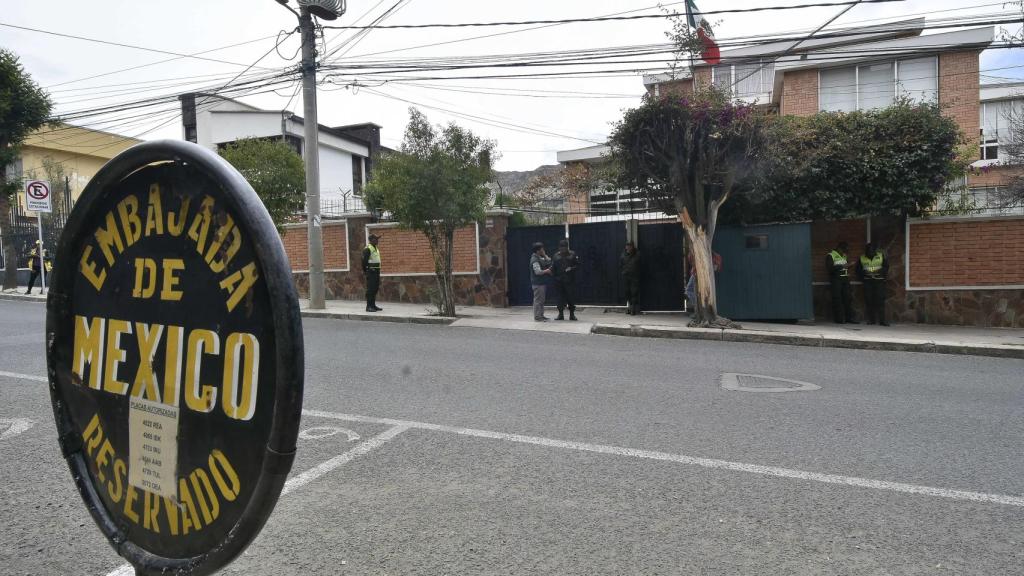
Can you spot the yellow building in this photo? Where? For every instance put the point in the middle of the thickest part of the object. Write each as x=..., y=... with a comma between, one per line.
x=81, y=152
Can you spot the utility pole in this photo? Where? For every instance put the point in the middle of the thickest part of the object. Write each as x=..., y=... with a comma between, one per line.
x=311, y=149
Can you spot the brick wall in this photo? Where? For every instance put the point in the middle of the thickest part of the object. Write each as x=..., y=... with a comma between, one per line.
x=408, y=251
x=800, y=93
x=335, y=240
x=984, y=307
x=826, y=235
x=702, y=76
x=673, y=87
x=968, y=252
x=994, y=176
x=959, y=92
x=488, y=287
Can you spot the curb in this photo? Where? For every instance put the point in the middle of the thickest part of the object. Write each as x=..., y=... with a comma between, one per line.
x=432, y=320
x=758, y=337
x=22, y=298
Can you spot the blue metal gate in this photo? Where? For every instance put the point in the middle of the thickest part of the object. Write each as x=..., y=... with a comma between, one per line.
x=766, y=272
x=598, y=246
x=661, y=266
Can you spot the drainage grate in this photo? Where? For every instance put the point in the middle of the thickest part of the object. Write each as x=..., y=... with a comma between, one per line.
x=762, y=383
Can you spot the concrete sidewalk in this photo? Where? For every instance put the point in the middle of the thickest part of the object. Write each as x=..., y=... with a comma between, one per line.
x=996, y=342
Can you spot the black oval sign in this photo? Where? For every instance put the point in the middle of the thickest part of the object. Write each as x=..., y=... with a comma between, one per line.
x=174, y=348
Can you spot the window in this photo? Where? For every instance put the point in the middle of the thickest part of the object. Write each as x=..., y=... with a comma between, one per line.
x=877, y=85
x=748, y=80
x=838, y=90
x=996, y=124
x=917, y=79
x=756, y=241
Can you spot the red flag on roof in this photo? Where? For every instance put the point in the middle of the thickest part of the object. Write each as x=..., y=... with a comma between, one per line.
x=700, y=24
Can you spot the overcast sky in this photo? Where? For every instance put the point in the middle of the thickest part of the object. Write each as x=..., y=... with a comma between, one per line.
x=189, y=26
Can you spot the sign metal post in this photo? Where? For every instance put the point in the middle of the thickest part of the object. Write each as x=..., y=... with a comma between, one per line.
x=37, y=199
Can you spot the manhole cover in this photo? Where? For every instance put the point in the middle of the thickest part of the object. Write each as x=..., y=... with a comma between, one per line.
x=762, y=383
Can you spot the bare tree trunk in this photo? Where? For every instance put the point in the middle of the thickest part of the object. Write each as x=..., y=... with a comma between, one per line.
x=706, y=313
x=442, y=248
x=10, y=254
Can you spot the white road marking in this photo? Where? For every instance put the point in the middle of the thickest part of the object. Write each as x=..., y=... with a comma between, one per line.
x=318, y=432
x=691, y=460
x=300, y=480
x=13, y=426
x=23, y=376
x=319, y=470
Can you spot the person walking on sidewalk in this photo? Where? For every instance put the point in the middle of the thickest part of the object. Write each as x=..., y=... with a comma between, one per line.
x=873, y=269
x=371, y=271
x=839, y=282
x=540, y=271
x=629, y=265
x=38, y=265
x=564, y=264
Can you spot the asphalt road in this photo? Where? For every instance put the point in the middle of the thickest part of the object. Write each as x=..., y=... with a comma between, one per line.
x=507, y=452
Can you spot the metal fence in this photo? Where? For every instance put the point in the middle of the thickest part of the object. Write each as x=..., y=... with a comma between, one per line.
x=22, y=229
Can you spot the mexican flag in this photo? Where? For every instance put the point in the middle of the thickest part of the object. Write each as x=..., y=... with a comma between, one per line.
x=698, y=22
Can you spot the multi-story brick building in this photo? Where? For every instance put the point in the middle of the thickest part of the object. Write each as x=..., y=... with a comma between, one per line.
x=870, y=68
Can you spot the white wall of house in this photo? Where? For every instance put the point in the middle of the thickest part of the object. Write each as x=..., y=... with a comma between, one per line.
x=219, y=121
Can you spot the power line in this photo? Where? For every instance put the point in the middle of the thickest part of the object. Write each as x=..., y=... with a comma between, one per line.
x=118, y=44
x=606, y=18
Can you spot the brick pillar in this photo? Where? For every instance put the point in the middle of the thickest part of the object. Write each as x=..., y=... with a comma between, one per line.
x=960, y=93
x=800, y=93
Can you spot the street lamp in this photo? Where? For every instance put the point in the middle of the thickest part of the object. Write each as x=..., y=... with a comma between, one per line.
x=327, y=10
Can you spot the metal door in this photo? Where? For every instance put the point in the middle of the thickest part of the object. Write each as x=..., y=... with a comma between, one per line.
x=662, y=283
x=598, y=246
x=766, y=272
x=519, y=241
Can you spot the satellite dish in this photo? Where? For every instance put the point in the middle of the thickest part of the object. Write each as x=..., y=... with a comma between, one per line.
x=324, y=9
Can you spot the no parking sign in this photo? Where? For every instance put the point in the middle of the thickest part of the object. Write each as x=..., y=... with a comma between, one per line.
x=37, y=196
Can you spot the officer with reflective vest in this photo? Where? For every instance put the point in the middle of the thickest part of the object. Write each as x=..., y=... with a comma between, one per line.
x=38, y=266
x=371, y=270
x=873, y=269
x=839, y=280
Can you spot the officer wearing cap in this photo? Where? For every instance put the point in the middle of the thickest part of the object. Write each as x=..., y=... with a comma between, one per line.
x=371, y=270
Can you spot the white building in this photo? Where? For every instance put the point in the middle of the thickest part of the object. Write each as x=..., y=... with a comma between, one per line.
x=346, y=152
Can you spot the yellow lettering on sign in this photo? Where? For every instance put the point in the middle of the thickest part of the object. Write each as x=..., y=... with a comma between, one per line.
x=116, y=486
x=238, y=284
x=150, y=511
x=128, y=209
x=88, y=269
x=172, y=365
x=131, y=496
x=144, y=267
x=109, y=237
x=201, y=224
x=103, y=458
x=169, y=291
x=146, y=384
x=239, y=399
x=176, y=222
x=115, y=356
x=88, y=349
x=200, y=342
x=154, y=212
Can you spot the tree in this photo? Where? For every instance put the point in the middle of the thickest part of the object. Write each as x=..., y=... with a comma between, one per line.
x=436, y=183
x=898, y=160
x=24, y=107
x=688, y=156
x=274, y=171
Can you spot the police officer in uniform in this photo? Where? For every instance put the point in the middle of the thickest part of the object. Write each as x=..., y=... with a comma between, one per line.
x=873, y=269
x=839, y=281
x=629, y=265
x=371, y=270
x=38, y=266
x=565, y=263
